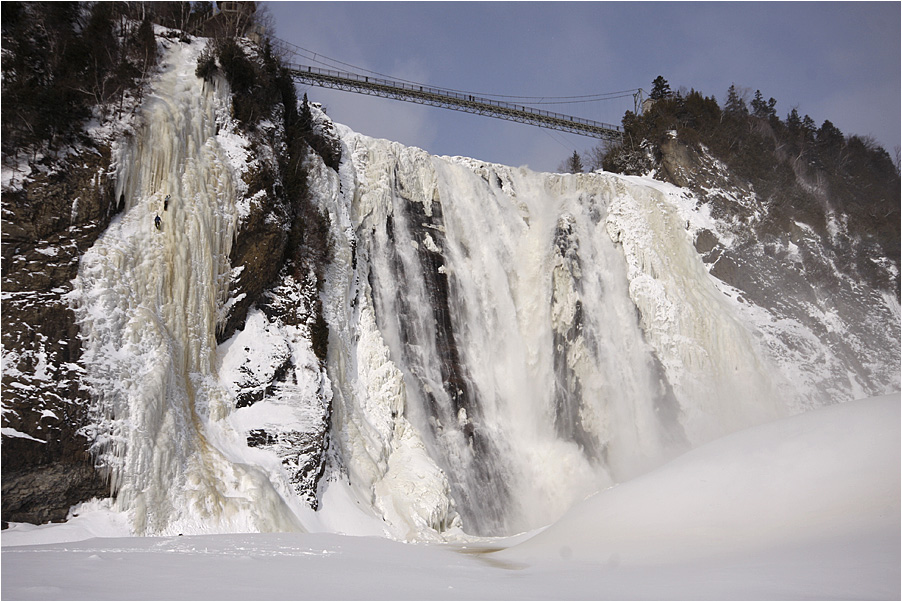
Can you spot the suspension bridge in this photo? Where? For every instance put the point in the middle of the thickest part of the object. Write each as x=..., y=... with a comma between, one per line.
x=447, y=99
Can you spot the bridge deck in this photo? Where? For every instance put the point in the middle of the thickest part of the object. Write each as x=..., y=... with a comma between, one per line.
x=448, y=99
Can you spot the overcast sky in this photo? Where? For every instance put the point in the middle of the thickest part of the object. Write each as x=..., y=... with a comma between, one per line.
x=831, y=60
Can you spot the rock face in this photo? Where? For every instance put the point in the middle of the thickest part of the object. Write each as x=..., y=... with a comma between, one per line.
x=796, y=254
x=586, y=329
x=48, y=222
x=256, y=256
x=801, y=201
x=275, y=288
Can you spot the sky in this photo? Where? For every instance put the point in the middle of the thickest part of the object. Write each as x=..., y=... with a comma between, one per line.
x=830, y=60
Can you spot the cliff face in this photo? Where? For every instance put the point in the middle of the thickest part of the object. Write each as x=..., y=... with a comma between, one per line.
x=800, y=256
x=48, y=222
x=53, y=212
x=500, y=342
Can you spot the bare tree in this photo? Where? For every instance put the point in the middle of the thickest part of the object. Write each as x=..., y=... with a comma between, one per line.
x=594, y=157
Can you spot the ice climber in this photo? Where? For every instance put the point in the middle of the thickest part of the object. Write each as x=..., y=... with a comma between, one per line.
x=157, y=221
x=166, y=202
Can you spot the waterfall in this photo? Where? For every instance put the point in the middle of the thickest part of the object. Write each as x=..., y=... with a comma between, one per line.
x=540, y=345
x=502, y=343
x=147, y=300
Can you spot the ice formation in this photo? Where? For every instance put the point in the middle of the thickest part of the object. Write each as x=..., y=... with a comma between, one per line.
x=545, y=335
x=148, y=300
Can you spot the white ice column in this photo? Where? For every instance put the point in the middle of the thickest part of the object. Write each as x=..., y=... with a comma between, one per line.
x=147, y=300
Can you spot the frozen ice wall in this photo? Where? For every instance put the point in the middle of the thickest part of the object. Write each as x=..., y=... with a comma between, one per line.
x=147, y=300
x=534, y=336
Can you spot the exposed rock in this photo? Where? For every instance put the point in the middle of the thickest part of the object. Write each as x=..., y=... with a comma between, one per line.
x=48, y=223
x=302, y=454
x=678, y=162
x=282, y=395
x=45, y=493
x=794, y=256
x=256, y=256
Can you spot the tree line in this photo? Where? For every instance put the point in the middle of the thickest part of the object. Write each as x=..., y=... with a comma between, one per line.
x=739, y=131
x=736, y=132
x=774, y=154
x=65, y=62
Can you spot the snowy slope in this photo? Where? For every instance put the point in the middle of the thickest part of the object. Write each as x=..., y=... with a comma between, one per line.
x=812, y=479
x=806, y=507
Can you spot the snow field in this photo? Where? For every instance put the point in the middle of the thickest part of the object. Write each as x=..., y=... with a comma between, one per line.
x=802, y=508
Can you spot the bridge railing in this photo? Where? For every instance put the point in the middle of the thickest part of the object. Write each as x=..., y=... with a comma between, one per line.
x=467, y=101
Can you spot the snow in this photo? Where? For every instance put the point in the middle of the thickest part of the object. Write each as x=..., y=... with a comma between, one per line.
x=147, y=301
x=803, y=507
x=546, y=276
x=11, y=432
x=14, y=177
x=709, y=354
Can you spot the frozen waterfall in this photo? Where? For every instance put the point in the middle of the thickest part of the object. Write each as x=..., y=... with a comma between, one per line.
x=502, y=343
x=147, y=301
x=541, y=336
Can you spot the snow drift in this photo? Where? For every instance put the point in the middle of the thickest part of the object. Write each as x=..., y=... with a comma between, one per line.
x=826, y=476
x=802, y=508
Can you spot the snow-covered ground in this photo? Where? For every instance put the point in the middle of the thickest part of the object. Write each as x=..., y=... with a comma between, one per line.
x=804, y=507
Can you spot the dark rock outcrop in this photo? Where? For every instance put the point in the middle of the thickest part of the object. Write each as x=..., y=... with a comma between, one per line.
x=48, y=222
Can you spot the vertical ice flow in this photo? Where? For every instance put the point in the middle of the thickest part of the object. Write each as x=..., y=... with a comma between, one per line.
x=147, y=301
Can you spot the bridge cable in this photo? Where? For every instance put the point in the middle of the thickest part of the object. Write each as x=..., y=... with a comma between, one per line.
x=540, y=100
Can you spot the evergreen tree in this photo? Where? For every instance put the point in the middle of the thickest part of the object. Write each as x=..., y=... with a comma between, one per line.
x=772, y=109
x=660, y=89
x=793, y=121
x=63, y=59
x=145, y=45
x=735, y=104
x=809, y=128
x=573, y=165
x=829, y=135
x=759, y=106
x=306, y=117
x=762, y=109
